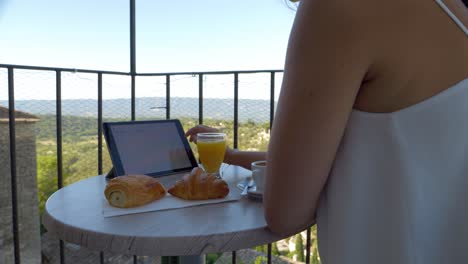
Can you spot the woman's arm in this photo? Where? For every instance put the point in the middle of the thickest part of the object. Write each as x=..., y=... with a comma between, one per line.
x=328, y=57
x=243, y=158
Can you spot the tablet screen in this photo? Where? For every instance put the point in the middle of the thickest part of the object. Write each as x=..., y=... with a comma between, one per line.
x=149, y=147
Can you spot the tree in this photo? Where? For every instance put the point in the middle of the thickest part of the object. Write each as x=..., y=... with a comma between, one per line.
x=299, y=248
x=46, y=178
x=315, y=259
x=274, y=249
x=262, y=248
x=260, y=260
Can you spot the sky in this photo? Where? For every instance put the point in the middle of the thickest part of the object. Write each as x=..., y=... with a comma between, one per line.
x=171, y=36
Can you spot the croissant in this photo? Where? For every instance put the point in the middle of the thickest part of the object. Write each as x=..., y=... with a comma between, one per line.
x=133, y=190
x=199, y=186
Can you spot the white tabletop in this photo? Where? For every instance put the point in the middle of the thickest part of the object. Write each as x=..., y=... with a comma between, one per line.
x=74, y=214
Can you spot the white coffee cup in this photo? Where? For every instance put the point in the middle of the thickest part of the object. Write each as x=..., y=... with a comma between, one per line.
x=258, y=173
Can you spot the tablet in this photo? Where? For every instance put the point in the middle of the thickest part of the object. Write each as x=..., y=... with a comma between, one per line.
x=153, y=148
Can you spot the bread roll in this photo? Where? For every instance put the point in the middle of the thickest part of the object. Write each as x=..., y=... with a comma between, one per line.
x=199, y=186
x=133, y=190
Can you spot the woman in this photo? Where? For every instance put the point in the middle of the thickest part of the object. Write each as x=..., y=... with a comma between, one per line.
x=374, y=104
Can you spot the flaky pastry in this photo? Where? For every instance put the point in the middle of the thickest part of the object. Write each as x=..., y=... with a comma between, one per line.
x=199, y=186
x=133, y=190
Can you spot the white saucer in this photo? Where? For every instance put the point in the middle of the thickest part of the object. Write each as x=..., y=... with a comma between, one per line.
x=253, y=193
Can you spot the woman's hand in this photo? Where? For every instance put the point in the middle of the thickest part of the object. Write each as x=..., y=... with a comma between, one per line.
x=192, y=132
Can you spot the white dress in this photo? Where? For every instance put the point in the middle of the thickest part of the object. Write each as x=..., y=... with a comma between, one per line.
x=398, y=190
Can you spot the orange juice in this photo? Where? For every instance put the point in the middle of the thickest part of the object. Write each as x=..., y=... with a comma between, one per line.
x=211, y=154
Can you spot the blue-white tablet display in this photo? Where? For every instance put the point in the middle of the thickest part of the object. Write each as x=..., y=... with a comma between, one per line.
x=148, y=147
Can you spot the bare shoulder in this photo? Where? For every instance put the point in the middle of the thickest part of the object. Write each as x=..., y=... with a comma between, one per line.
x=369, y=13
x=343, y=30
x=358, y=19
x=357, y=10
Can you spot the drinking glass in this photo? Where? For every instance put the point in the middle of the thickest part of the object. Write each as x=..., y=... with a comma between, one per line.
x=211, y=149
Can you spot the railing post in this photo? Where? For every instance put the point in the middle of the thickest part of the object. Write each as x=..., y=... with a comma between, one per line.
x=236, y=109
x=132, y=54
x=309, y=230
x=269, y=253
x=133, y=115
x=58, y=117
x=14, y=187
x=101, y=254
x=58, y=104
x=200, y=98
x=272, y=98
x=168, y=96
x=99, y=123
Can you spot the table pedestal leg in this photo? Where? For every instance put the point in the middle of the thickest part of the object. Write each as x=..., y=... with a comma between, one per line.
x=193, y=259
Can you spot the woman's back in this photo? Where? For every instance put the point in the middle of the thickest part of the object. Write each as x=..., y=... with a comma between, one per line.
x=422, y=52
x=398, y=188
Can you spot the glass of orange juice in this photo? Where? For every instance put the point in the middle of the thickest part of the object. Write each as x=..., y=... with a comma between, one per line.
x=211, y=149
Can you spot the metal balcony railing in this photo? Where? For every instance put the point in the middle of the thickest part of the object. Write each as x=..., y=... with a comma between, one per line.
x=58, y=73
x=97, y=76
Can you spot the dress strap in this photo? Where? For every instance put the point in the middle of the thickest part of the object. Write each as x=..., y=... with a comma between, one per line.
x=452, y=15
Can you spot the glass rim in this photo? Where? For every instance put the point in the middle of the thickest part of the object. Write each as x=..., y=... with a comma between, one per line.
x=211, y=134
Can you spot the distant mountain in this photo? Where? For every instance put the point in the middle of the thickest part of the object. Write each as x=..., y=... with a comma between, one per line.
x=148, y=107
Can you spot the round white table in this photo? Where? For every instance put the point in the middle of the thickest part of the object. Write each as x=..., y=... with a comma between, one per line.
x=74, y=214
